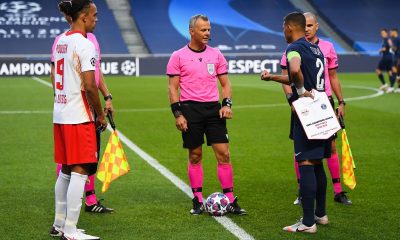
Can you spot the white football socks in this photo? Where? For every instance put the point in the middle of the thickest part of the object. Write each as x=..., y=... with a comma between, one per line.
x=74, y=201
x=60, y=190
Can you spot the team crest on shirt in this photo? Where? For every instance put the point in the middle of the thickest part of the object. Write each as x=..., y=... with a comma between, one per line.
x=93, y=61
x=323, y=106
x=211, y=68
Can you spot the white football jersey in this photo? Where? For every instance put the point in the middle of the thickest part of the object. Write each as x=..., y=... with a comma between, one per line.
x=73, y=55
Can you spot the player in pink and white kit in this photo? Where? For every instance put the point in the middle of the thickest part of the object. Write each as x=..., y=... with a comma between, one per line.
x=92, y=203
x=331, y=82
x=195, y=70
x=76, y=100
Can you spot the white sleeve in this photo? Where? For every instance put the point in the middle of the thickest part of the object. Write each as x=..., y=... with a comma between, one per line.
x=87, y=57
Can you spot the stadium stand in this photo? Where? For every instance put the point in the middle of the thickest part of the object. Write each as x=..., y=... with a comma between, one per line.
x=29, y=27
x=361, y=20
x=242, y=26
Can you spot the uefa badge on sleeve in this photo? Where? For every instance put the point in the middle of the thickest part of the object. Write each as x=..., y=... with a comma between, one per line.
x=93, y=61
x=211, y=68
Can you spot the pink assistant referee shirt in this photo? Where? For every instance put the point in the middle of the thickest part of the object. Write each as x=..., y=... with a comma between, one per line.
x=198, y=71
x=331, y=61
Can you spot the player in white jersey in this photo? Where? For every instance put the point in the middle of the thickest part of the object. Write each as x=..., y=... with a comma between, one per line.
x=92, y=205
x=76, y=101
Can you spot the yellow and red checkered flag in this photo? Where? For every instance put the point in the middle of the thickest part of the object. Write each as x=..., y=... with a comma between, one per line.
x=114, y=163
x=348, y=164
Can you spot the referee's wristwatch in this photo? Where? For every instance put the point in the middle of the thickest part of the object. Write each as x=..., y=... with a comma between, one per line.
x=108, y=97
x=342, y=102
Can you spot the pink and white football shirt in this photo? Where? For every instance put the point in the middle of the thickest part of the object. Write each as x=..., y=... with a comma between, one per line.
x=331, y=61
x=73, y=55
x=198, y=71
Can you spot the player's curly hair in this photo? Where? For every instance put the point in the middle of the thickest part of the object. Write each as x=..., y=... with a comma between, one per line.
x=73, y=8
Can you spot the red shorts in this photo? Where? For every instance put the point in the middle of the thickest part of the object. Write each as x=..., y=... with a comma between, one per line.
x=75, y=143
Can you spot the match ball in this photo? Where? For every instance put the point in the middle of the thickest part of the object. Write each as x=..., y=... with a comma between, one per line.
x=217, y=204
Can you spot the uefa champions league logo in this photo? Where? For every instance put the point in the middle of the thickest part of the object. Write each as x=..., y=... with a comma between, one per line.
x=128, y=67
x=20, y=7
x=323, y=106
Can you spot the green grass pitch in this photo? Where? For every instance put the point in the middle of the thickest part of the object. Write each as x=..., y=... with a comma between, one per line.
x=148, y=206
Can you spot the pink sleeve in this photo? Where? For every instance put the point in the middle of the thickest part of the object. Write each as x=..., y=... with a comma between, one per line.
x=283, y=61
x=173, y=67
x=332, y=59
x=53, y=48
x=222, y=64
x=93, y=39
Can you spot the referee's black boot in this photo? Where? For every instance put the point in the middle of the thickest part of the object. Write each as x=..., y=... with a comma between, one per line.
x=342, y=198
x=198, y=207
x=235, y=208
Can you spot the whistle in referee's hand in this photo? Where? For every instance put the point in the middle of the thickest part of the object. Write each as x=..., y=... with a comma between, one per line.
x=341, y=120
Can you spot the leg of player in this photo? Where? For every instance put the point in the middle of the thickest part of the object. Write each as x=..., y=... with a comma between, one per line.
x=296, y=168
x=320, y=216
x=74, y=203
x=195, y=174
x=91, y=203
x=384, y=86
x=334, y=169
x=61, y=189
x=392, y=80
x=398, y=76
x=58, y=169
x=61, y=206
x=225, y=176
x=308, y=189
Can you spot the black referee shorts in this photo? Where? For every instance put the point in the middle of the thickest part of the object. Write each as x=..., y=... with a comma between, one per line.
x=203, y=118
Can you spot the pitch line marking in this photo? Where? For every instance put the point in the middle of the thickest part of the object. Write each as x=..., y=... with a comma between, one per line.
x=227, y=223
x=377, y=94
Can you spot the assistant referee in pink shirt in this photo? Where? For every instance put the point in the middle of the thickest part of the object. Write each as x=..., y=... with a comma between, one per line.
x=194, y=70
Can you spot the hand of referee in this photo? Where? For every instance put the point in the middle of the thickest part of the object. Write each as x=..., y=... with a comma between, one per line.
x=225, y=112
x=340, y=112
x=181, y=123
x=109, y=108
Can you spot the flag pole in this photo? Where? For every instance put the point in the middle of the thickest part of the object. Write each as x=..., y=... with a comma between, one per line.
x=111, y=120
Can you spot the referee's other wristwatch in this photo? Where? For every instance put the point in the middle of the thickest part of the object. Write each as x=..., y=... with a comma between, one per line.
x=342, y=102
x=108, y=97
